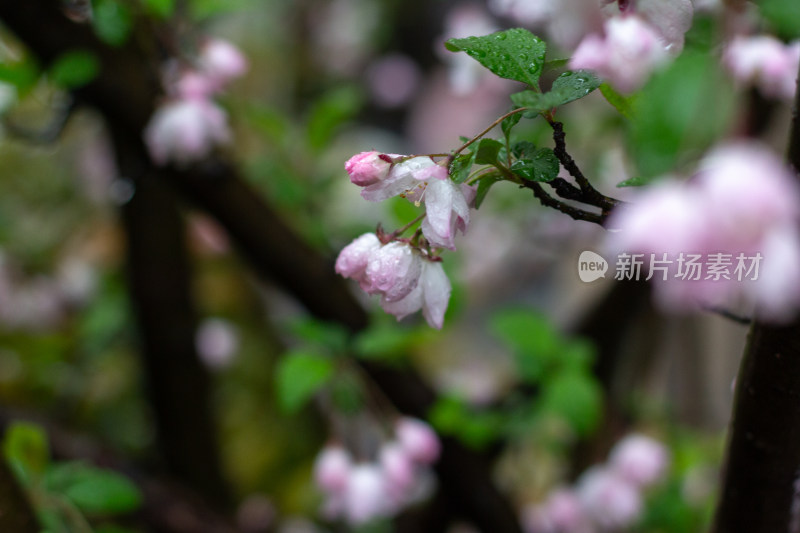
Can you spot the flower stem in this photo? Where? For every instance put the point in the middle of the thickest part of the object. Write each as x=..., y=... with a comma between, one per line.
x=487, y=130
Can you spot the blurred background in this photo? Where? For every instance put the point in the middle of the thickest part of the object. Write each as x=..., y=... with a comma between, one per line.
x=535, y=372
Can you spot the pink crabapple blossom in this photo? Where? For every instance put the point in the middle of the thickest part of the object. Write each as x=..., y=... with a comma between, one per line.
x=610, y=501
x=398, y=469
x=418, y=440
x=639, y=459
x=625, y=56
x=431, y=295
x=765, y=62
x=184, y=131
x=393, y=271
x=405, y=178
x=221, y=61
x=366, y=496
x=368, y=168
x=332, y=468
x=446, y=210
x=354, y=258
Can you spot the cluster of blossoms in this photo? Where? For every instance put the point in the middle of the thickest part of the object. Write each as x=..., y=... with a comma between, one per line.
x=635, y=43
x=189, y=124
x=359, y=492
x=764, y=62
x=405, y=272
x=606, y=497
x=742, y=200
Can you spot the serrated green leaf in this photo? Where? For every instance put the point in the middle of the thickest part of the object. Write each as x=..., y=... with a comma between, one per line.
x=574, y=397
x=623, y=104
x=636, y=181
x=514, y=54
x=568, y=87
x=523, y=149
x=112, y=21
x=484, y=184
x=160, y=8
x=74, y=69
x=93, y=490
x=298, y=377
x=461, y=167
x=26, y=450
x=487, y=152
x=542, y=166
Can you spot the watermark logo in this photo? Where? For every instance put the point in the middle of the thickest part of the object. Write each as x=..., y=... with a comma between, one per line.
x=715, y=267
x=591, y=266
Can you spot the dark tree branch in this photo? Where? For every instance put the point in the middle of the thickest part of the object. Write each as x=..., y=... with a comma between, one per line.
x=762, y=467
x=159, y=282
x=15, y=512
x=575, y=212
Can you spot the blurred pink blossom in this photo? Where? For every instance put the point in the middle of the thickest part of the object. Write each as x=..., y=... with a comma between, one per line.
x=765, y=62
x=221, y=61
x=639, y=459
x=610, y=500
x=217, y=342
x=565, y=511
x=393, y=80
x=186, y=130
x=332, y=469
x=743, y=202
x=418, y=440
x=366, y=496
x=625, y=56
x=398, y=469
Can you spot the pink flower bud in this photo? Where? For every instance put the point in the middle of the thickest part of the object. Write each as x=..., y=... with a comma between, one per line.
x=354, y=258
x=222, y=61
x=418, y=440
x=217, y=342
x=393, y=271
x=639, y=459
x=332, y=469
x=609, y=500
x=368, y=168
x=398, y=469
x=366, y=497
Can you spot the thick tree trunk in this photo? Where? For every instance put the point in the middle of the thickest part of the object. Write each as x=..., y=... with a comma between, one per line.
x=761, y=475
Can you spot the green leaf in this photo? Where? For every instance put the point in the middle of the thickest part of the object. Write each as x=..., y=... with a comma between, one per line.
x=783, y=16
x=508, y=124
x=487, y=151
x=681, y=112
x=484, y=184
x=636, y=181
x=541, y=166
x=568, y=87
x=327, y=335
x=515, y=54
x=203, y=9
x=93, y=490
x=74, y=69
x=623, y=104
x=523, y=149
x=26, y=450
x=299, y=376
x=21, y=74
x=331, y=111
x=112, y=21
x=160, y=8
x=461, y=167
x=555, y=64
x=574, y=397
x=451, y=416
x=347, y=394
x=536, y=345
